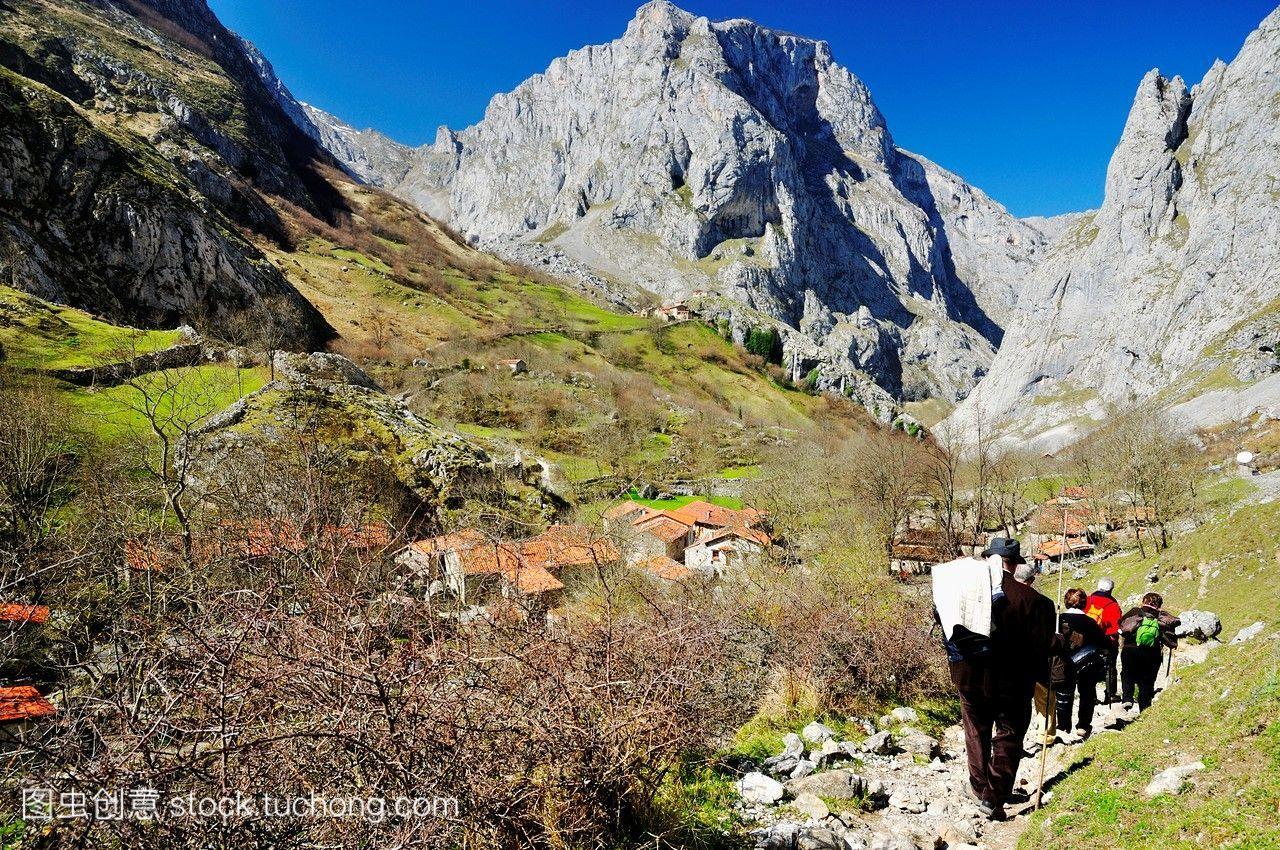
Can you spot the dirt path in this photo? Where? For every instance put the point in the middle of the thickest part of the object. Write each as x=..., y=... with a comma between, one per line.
x=923, y=803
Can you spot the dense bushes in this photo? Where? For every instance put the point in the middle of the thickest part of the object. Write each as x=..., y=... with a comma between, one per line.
x=765, y=343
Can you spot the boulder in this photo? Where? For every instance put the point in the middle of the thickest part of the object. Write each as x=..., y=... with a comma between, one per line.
x=917, y=743
x=903, y=714
x=817, y=732
x=830, y=751
x=1201, y=625
x=803, y=768
x=818, y=838
x=1248, y=632
x=958, y=832
x=881, y=744
x=811, y=806
x=759, y=789
x=792, y=745
x=891, y=841
x=780, y=836
x=1171, y=780
x=908, y=800
x=840, y=784
x=780, y=764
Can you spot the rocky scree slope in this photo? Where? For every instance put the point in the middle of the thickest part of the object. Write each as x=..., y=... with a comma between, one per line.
x=1168, y=291
x=690, y=156
x=139, y=150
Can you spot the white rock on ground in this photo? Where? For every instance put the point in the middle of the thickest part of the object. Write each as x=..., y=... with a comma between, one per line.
x=916, y=742
x=817, y=732
x=1171, y=780
x=792, y=745
x=1201, y=625
x=881, y=743
x=811, y=805
x=757, y=788
x=904, y=714
x=1249, y=632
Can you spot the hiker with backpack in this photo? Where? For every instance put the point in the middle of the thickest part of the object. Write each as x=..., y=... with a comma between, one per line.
x=1145, y=631
x=1103, y=607
x=997, y=632
x=1078, y=663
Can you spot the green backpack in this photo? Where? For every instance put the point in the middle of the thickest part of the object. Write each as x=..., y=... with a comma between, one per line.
x=1148, y=633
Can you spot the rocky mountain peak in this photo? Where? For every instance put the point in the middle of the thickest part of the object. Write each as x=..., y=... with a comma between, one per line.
x=660, y=21
x=743, y=165
x=1144, y=174
x=1169, y=287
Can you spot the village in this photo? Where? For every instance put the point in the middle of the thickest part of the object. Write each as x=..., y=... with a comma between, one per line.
x=1072, y=526
x=477, y=576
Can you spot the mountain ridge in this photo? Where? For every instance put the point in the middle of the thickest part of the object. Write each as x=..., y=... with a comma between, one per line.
x=725, y=157
x=1166, y=293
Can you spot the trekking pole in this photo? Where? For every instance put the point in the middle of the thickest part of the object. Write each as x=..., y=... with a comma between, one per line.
x=1050, y=720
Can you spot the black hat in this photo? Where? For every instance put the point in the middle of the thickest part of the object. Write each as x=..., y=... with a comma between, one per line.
x=1005, y=547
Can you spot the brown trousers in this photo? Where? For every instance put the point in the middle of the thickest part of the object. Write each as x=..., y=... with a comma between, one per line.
x=994, y=727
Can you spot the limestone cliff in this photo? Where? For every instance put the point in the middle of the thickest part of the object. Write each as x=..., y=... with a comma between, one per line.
x=139, y=151
x=1167, y=292
x=691, y=156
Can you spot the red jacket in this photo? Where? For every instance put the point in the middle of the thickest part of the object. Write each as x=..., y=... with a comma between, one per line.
x=1103, y=608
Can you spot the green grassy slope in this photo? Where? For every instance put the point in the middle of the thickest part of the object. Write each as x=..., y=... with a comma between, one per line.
x=37, y=334
x=1225, y=712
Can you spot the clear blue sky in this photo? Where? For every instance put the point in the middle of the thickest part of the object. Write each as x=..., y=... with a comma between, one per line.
x=1024, y=99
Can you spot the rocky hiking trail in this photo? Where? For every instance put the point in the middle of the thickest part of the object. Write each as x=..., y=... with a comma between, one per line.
x=901, y=789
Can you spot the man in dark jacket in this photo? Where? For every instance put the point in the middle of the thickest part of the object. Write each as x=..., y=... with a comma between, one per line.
x=1145, y=630
x=996, y=689
x=1103, y=607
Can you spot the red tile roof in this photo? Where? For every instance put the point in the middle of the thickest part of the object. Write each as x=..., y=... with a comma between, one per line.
x=705, y=513
x=1048, y=519
x=622, y=510
x=524, y=561
x=1076, y=493
x=664, y=527
x=23, y=703
x=754, y=535
x=534, y=580
x=371, y=535
x=465, y=538
x=145, y=554
x=1053, y=548
x=14, y=613
x=663, y=567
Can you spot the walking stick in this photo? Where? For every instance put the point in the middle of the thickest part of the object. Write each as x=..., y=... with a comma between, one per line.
x=1050, y=720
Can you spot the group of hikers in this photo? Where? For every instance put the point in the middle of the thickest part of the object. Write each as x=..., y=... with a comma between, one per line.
x=1008, y=650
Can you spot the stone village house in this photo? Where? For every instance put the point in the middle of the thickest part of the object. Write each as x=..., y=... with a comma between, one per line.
x=476, y=570
x=702, y=538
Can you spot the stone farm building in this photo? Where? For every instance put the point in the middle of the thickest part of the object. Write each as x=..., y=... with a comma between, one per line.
x=478, y=570
x=702, y=538
x=515, y=366
x=916, y=550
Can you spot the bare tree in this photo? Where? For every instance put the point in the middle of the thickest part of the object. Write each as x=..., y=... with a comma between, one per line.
x=39, y=447
x=170, y=406
x=381, y=326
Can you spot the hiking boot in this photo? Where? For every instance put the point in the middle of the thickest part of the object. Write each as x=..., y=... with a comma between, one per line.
x=1127, y=706
x=996, y=813
x=1084, y=732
